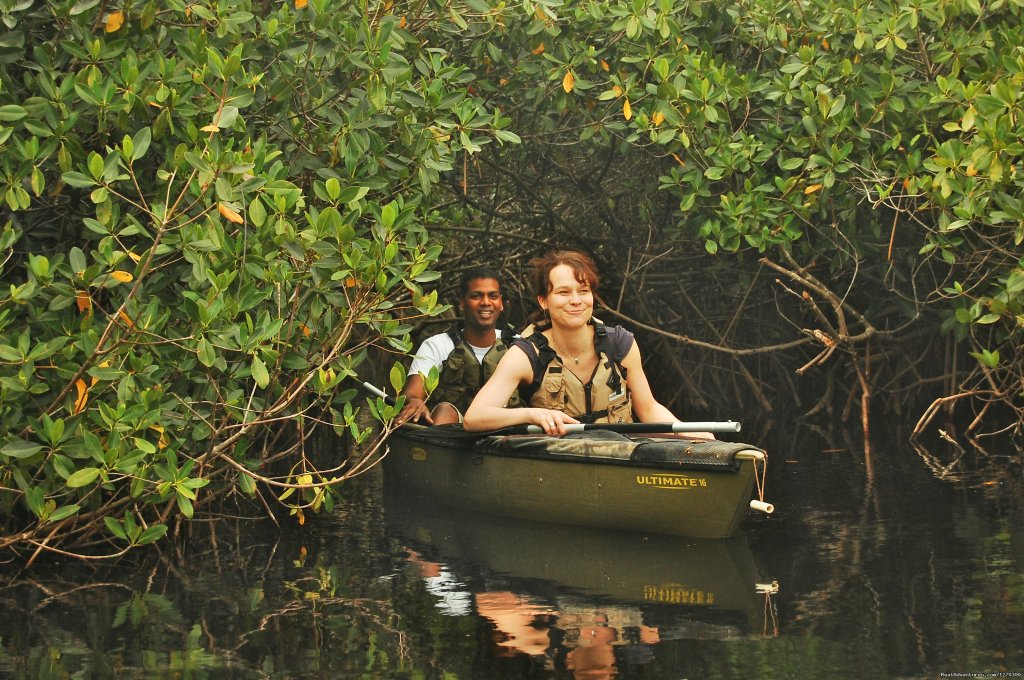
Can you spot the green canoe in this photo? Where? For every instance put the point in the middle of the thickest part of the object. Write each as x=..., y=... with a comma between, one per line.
x=595, y=478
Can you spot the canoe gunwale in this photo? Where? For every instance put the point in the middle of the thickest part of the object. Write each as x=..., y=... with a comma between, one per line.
x=444, y=438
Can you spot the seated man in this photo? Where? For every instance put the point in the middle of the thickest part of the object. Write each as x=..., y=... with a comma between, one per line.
x=465, y=358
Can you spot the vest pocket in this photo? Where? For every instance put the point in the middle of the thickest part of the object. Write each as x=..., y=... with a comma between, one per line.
x=620, y=412
x=553, y=390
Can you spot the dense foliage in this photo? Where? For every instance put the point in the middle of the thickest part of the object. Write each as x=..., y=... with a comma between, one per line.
x=210, y=216
x=855, y=168
x=212, y=210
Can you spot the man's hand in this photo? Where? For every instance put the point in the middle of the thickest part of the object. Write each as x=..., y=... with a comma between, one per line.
x=415, y=409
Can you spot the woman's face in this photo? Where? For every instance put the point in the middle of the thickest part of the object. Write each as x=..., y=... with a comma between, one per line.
x=570, y=302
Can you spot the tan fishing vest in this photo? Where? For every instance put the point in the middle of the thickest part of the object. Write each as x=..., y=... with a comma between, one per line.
x=462, y=376
x=605, y=399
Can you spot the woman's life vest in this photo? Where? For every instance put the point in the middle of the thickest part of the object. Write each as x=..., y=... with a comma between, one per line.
x=462, y=376
x=604, y=399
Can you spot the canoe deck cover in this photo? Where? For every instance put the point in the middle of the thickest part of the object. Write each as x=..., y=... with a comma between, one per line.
x=605, y=446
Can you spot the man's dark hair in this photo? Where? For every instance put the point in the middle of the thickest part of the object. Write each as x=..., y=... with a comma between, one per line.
x=477, y=273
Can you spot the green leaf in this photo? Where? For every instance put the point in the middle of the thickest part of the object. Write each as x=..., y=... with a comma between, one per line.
x=397, y=377
x=35, y=498
x=12, y=112
x=228, y=116
x=206, y=352
x=83, y=6
x=987, y=358
x=141, y=141
x=21, y=449
x=152, y=534
x=83, y=477
x=387, y=215
x=246, y=483
x=63, y=512
x=185, y=505
x=259, y=372
x=77, y=179
x=115, y=527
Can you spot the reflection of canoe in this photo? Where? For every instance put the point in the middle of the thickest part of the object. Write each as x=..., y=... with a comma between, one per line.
x=597, y=478
x=680, y=584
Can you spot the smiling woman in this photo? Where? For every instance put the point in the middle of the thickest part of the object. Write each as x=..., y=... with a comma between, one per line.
x=569, y=367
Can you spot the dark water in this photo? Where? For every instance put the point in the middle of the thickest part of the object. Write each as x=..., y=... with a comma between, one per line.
x=872, y=567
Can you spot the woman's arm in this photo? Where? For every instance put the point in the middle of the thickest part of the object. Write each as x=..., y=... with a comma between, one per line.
x=488, y=411
x=645, y=406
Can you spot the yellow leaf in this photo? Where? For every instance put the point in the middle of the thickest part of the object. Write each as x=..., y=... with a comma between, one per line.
x=305, y=329
x=617, y=90
x=299, y=513
x=657, y=118
x=971, y=171
x=84, y=301
x=568, y=81
x=115, y=20
x=811, y=189
x=627, y=110
x=824, y=43
x=127, y=319
x=350, y=282
x=679, y=160
x=539, y=49
x=134, y=256
x=210, y=128
x=604, y=65
x=402, y=22
x=299, y=4
x=229, y=214
x=163, y=436
x=83, y=395
x=123, y=277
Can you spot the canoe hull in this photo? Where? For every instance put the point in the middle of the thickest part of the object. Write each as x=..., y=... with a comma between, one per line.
x=615, y=495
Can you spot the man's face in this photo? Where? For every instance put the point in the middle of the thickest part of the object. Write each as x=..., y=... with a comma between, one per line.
x=481, y=305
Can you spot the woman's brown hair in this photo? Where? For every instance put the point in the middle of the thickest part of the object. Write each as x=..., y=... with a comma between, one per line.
x=540, y=277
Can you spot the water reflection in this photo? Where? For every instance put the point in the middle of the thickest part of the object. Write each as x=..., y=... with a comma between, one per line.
x=579, y=597
x=908, y=576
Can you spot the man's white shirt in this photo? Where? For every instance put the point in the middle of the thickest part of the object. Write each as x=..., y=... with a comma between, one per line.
x=434, y=350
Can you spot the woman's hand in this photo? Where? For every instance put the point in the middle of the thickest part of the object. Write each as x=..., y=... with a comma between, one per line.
x=551, y=421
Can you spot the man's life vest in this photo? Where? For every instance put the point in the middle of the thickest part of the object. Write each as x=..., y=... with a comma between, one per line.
x=462, y=376
x=604, y=399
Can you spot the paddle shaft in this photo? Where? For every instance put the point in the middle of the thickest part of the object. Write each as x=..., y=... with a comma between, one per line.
x=624, y=428
x=647, y=428
x=373, y=389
